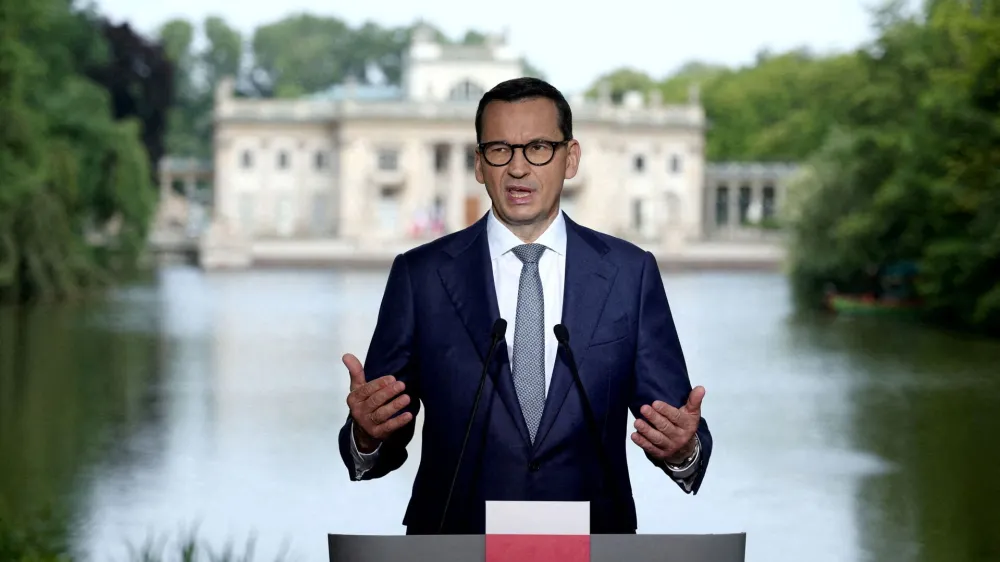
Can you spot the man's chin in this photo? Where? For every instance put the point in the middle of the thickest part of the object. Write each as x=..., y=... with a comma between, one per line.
x=523, y=217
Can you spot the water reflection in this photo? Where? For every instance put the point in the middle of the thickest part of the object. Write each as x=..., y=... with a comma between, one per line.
x=70, y=396
x=215, y=400
x=926, y=401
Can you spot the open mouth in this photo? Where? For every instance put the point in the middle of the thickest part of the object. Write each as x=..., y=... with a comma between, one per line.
x=519, y=194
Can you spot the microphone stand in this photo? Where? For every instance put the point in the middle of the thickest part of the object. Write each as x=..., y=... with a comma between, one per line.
x=562, y=336
x=499, y=329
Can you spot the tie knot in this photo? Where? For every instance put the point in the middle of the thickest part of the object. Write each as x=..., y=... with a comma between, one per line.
x=529, y=253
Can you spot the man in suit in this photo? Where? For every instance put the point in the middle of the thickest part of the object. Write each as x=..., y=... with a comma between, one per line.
x=530, y=264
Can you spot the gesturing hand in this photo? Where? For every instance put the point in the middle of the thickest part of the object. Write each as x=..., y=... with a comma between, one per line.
x=667, y=433
x=373, y=406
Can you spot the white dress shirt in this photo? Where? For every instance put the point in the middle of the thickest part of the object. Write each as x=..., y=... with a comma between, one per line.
x=506, y=279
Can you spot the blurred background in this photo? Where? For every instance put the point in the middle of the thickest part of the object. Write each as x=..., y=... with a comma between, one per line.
x=199, y=202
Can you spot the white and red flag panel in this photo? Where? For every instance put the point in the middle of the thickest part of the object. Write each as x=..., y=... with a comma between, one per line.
x=537, y=531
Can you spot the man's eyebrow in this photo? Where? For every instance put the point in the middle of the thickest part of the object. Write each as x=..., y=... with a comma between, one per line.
x=536, y=139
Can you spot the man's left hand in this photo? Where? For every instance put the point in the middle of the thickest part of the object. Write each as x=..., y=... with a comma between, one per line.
x=667, y=433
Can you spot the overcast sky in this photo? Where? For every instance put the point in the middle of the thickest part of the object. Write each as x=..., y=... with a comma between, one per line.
x=568, y=41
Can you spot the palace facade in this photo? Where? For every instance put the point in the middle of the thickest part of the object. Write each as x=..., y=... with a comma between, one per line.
x=371, y=165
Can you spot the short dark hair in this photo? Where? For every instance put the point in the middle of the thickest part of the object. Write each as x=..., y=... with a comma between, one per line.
x=518, y=89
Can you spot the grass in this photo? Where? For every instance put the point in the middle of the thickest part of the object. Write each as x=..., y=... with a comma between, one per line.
x=43, y=540
x=190, y=549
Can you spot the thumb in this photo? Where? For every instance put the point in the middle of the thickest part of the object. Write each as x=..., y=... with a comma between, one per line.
x=355, y=369
x=693, y=405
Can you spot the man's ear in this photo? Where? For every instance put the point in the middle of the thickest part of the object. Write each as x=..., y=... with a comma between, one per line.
x=572, y=158
x=480, y=177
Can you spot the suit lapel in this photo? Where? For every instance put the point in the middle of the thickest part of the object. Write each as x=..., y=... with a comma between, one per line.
x=589, y=278
x=468, y=280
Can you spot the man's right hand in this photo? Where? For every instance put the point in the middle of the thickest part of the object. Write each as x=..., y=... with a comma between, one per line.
x=373, y=406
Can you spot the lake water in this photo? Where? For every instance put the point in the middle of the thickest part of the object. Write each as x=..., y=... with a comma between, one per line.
x=213, y=401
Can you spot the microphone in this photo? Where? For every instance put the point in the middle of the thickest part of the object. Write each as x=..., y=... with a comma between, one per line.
x=496, y=335
x=562, y=336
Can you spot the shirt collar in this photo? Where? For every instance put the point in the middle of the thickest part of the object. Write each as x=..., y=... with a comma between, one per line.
x=502, y=240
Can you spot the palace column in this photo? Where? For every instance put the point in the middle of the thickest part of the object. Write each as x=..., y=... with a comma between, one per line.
x=457, y=178
x=734, y=206
x=708, y=213
x=190, y=191
x=356, y=191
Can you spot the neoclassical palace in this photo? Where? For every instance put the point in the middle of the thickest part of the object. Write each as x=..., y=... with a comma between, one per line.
x=376, y=165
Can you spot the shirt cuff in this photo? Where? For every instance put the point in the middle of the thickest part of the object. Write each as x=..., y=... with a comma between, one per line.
x=363, y=462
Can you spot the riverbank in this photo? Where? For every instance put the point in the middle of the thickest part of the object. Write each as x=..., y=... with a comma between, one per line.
x=701, y=256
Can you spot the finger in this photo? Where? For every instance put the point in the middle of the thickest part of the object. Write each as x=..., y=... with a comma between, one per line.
x=364, y=392
x=653, y=435
x=645, y=444
x=355, y=369
x=693, y=405
x=673, y=415
x=383, y=413
x=384, y=394
x=658, y=420
x=384, y=430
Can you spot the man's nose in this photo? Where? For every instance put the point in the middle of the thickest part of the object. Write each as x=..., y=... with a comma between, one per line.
x=518, y=166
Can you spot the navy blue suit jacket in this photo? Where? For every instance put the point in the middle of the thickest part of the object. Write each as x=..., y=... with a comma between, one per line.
x=433, y=333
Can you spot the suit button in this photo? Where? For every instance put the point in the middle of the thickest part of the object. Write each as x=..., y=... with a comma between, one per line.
x=533, y=466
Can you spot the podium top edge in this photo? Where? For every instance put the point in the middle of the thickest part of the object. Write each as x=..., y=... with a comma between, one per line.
x=670, y=535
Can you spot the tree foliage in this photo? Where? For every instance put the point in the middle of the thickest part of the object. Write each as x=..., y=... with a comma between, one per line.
x=778, y=109
x=139, y=78
x=900, y=144
x=75, y=182
x=916, y=175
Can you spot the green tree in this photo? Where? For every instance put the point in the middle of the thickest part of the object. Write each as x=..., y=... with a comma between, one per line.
x=305, y=53
x=76, y=196
x=778, y=109
x=223, y=55
x=198, y=73
x=677, y=87
x=620, y=81
x=918, y=176
x=301, y=54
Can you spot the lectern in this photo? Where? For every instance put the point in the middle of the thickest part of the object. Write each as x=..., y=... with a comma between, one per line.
x=538, y=532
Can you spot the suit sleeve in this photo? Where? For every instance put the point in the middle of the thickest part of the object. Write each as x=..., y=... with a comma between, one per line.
x=391, y=353
x=660, y=370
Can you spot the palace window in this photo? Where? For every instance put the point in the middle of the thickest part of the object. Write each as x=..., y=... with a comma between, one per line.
x=320, y=213
x=388, y=208
x=637, y=214
x=470, y=157
x=466, y=91
x=247, y=212
x=746, y=197
x=721, y=205
x=283, y=160
x=246, y=159
x=675, y=164
x=321, y=161
x=768, y=202
x=639, y=163
x=441, y=154
x=388, y=159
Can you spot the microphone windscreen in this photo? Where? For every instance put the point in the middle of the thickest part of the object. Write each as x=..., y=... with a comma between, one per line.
x=562, y=334
x=499, y=328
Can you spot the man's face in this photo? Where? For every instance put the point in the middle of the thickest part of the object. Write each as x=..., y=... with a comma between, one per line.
x=523, y=193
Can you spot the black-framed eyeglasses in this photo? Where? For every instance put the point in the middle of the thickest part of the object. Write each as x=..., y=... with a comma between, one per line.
x=537, y=152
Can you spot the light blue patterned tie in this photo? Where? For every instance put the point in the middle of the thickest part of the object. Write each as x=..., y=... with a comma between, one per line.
x=529, y=338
